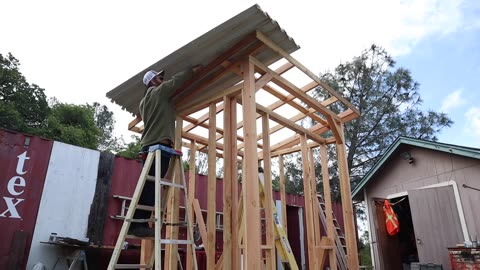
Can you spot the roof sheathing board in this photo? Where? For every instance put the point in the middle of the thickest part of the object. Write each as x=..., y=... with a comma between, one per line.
x=205, y=49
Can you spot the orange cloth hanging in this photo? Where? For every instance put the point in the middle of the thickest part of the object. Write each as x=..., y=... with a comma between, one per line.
x=391, y=221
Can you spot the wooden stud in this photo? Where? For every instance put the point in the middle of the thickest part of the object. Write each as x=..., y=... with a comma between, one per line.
x=308, y=205
x=134, y=122
x=305, y=70
x=283, y=195
x=173, y=205
x=212, y=184
x=315, y=206
x=267, y=171
x=347, y=206
x=235, y=255
x=227, y=184
x=191, y=197
x=328, y=203
x=251, y=201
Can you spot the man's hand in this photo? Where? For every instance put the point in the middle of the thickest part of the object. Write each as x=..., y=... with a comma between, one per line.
x=197, y=68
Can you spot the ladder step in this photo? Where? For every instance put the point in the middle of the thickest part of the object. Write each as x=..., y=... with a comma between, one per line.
x=165, y=182
x=141, y=220
x=146, y=207
x=134, y=266
x=175, y=224
x=176, y=242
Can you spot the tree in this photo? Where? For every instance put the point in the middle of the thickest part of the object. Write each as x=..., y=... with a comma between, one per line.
x=131, y=149
x=389, y=101
x=73, y=124
x=105, y=121
x=23, y=106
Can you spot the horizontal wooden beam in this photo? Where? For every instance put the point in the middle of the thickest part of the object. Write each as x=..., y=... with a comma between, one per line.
x=287, y=123
x=292, y=89
x=305, y=70
x=346, y=116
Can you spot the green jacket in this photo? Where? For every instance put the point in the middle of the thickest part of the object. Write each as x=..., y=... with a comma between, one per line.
x=158, y=111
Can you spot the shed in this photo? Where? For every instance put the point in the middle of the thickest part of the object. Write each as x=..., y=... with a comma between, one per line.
x=435, y=190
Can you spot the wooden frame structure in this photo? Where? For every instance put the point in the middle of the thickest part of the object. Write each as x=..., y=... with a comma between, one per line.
x=243, y=141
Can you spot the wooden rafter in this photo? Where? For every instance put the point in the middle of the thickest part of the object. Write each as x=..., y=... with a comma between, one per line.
x=305, y=70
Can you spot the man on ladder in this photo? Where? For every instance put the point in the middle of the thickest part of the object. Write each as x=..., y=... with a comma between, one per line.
x=158, y=114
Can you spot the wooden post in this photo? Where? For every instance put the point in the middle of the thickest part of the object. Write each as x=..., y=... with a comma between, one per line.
x=283, y=194
x=328, y=205
x=347, y=206
x=212, y=179
x=234, y=187
x=308, y=204
x=251, y=198
x=229, y=162
x=173, y=206
x=315, y=206
x=191, y=197
x=267, y=170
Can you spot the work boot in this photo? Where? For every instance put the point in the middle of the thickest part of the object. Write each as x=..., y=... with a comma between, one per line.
x=141, y=231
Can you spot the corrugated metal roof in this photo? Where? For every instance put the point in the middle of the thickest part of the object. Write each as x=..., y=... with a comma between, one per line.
x=205, y=49
x=443, y=147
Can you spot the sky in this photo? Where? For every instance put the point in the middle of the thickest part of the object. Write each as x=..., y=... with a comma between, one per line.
x=78, y=51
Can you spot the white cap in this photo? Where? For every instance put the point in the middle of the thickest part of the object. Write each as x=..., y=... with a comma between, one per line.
x=150, y=75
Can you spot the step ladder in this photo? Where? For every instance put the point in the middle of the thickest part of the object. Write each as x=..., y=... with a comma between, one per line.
x=155, y=261
x=340, y=242
x=281, y=238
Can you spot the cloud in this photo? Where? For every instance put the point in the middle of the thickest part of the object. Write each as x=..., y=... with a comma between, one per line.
x=453, y=101
x=473, y=121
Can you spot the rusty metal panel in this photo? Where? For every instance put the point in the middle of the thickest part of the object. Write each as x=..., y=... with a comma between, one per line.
x=65, y=204
x=124, y=179
x=205, y=49
x=23, y=165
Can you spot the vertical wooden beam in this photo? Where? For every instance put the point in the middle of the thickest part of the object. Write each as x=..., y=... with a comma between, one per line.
x=212, y=179
x=315, y=206
x=251, y=198
x=328, y=204
x=347, y=206
x=227, y=184
x=308, y=204
x=267, y=170
x=283, y=195
x=191, y=197
x=234, y=187
x=173, y=206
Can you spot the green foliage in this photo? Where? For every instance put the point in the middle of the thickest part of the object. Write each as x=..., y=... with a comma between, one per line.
x=104, y=120
x=23, y=106
x=132, y=149
x=73, y=124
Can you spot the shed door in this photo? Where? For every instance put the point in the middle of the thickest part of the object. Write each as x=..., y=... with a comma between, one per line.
x=436, y=223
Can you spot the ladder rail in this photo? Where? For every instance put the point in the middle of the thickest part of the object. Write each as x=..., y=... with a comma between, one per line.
x=340, y=251
x=154, y=155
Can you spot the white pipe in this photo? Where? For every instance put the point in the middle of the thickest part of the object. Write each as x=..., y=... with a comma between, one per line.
x=370, y=233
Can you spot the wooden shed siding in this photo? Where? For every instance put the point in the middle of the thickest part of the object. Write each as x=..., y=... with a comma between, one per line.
x=430, y=167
